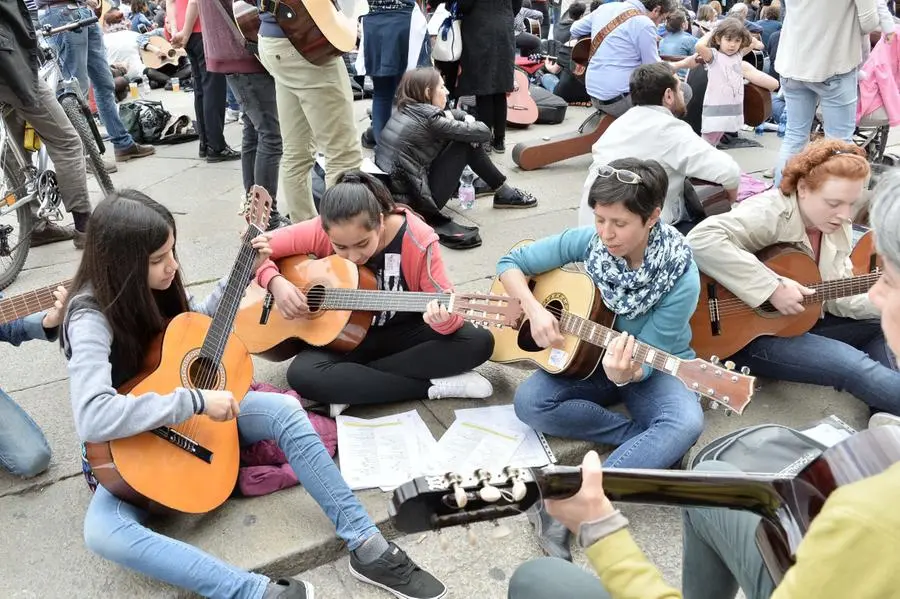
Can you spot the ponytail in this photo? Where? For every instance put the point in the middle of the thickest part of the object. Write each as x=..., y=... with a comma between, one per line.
x=356, y=193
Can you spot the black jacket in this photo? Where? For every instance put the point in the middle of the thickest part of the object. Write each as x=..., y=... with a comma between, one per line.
x=18, y=51
x=488, y=46
x=412, y=139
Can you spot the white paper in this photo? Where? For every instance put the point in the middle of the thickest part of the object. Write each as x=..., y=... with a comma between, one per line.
x=468, y=446
x=381, y=452
x=531, y=452
x=826, y=434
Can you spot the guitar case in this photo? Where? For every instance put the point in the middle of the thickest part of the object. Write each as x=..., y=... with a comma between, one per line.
x=551, y=108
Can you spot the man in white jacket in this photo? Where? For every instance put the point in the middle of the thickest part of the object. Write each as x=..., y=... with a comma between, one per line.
x=818, y=56
x=651, y=129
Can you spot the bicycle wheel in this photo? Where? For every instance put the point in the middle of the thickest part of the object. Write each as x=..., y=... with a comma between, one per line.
x=79, y=120
x=15, y=237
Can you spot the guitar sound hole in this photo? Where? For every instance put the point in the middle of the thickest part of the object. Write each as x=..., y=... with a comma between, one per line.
x=315, y=297
x=203, y=374
x=525, y=340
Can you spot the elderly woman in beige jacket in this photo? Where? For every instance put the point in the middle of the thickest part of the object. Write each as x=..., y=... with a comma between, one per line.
x=820, y=190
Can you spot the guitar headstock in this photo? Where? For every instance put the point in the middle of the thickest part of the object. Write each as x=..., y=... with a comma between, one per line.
x=487, y=310
x=257, y=207
x=435, y=502
x=719, y=382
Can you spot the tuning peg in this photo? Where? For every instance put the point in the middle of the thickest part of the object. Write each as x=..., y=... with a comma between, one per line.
x=489, y=493
x=500, y=530
x=745, y=370
x=519, y=490
x=715, y=360
x=713, y=405
x=460, y=496
x=729, y=365
x=471, y=537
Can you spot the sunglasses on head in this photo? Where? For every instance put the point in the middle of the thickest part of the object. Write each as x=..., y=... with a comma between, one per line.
x=622, y=175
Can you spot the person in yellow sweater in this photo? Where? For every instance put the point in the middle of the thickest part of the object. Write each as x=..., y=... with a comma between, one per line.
x=847, y=552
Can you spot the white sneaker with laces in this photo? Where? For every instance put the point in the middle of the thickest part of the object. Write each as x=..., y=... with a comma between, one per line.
x=335, y=409
x=468, y=385
x=232, y=115
x=883, y=419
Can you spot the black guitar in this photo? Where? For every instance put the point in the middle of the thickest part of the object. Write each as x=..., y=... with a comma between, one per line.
x=787, y=504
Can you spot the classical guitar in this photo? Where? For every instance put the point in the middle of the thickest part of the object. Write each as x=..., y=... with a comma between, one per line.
x=723, y=324
x=587, y=327
x=786, y=504
x=318, y=29
x=30, y=302
x=189, y=467
x=342, y=299
x=521, y=109
x=155, y=45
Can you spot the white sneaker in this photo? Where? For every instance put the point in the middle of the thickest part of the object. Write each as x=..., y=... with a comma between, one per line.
x=883, y=419
x=335, y=409
x=232, y=115
x=466, y=385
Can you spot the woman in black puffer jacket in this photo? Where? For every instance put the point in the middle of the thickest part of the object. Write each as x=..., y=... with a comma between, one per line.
x=421, y=136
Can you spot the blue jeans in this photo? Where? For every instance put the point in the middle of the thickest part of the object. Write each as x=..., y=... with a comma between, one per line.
x=116, y=530
x=231, y=100
x=549, y=81
x=23, y=448
x=837, y=96
x=849, y=355
x=666, y=418
x=383, y=91
x=83, y=56
x=720, y=555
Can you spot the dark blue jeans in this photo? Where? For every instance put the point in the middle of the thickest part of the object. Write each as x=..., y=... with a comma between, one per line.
x=261, y=142
x=383, y=91
x=849, y=355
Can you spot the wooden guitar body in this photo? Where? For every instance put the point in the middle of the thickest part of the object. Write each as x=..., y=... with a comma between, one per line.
x=161, y=44
x=722, y=331
x=521, y=109
x=864, y=257
x=560, y=289
x=246, y=16
x=151, y=472
x=338, y=330
x=531, y=155
x=316, y=28
x=757, y=105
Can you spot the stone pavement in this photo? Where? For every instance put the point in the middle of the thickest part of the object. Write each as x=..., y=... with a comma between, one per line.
x=286, y=533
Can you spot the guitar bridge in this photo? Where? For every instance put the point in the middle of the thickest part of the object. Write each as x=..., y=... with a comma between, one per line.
x=713, y=303
x=184, y=443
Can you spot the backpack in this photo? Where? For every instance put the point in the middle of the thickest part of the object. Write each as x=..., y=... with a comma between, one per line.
x=145, y=120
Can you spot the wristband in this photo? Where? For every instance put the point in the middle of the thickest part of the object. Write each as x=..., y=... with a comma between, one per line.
x=592, y=532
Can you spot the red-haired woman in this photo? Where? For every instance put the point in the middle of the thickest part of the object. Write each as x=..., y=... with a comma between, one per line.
x=820, y=190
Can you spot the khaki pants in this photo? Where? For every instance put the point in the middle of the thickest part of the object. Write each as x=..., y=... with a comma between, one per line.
x=315, y=108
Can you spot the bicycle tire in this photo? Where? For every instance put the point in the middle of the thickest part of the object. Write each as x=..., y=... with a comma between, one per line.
x=79, y=121
x=26, y=223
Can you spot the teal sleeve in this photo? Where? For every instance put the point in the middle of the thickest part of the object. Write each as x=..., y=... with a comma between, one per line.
x=549, y=253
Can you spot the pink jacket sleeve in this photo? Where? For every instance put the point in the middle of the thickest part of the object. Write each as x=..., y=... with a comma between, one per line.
x=434, y=279
x=299, y=239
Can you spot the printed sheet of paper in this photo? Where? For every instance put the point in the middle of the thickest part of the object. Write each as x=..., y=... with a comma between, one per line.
x=533, y=451
x=381, y=452
x=467, y=446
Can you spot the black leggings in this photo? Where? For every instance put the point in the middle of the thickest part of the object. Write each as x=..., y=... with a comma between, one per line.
x=492, y=112
x=393, y=363
x=443, y=176
x=450, y=73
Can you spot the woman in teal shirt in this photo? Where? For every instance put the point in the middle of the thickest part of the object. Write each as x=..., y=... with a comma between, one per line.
x=646, y=275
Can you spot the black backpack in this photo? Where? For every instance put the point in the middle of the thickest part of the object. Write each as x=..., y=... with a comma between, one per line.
x=145, y=120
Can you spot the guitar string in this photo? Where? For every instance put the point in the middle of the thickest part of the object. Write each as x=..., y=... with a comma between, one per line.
x=30, y=301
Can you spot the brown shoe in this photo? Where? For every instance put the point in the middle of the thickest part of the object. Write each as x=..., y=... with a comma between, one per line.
x=45, y=232
x=134, y=151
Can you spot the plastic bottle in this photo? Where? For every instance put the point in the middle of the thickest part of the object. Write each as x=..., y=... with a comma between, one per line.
x=145, y=87
x=782, y=123
x=467, y=189
x=176, y=85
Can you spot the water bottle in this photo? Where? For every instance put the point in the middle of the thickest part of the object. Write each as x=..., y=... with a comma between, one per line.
x=782, y=123
x=145, y=87
x=467, y=189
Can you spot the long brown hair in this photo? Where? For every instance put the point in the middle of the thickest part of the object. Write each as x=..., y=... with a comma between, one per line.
x=414, y=86
x=124, y=230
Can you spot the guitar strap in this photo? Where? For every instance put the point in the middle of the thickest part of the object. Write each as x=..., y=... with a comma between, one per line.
x=601, y=35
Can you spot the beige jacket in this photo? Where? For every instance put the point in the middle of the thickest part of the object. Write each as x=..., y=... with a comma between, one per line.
x=724, y=248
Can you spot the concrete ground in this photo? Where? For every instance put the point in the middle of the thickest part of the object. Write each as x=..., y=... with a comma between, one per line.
x=286, y=533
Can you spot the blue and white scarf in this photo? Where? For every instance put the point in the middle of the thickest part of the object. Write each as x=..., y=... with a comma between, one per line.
x=631, y=293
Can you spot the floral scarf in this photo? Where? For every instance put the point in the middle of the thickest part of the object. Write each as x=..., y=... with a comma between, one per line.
x=631, y=293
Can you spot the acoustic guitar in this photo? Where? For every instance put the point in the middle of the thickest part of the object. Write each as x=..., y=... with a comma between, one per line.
x=587, y=324
x=342, y=299
x=155, y=45
x=189, y=467
x=30, y=302
x=787, y=505
x=521, y=109
x=318, y=29
x=533, y=26
x=723, y=324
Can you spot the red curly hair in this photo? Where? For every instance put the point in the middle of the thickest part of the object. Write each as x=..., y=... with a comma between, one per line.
x=821, y=159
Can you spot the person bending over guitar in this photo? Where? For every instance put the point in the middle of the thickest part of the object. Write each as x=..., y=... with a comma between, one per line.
x=647, y=277
x=841, y=556
x=812, y=209
x=405, y=356
x=24, y=450
x=126, y=288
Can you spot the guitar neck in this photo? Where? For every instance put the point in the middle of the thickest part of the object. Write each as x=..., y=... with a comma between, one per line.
x=366, y=300
x=24, y=304
x=831, y=290
x=597, y=334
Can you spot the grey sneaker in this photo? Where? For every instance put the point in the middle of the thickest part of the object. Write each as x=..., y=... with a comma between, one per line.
x=288, y=588
x=397, y=574
x=552, y=536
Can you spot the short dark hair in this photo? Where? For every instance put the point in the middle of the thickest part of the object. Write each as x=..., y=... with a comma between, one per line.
x=576, y=10
x=771, y=13
x=675, y=21
x=414, y=84
x=640, y=198
x=665, y=6
x=649, y=82
x=595, y=4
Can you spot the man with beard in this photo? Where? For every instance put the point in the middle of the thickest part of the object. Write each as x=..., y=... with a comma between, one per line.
x=652, y=130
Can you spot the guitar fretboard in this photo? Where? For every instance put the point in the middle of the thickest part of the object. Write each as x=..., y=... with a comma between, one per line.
x=597, y=334
x=20, y=306
x=375, y=301
x=830, y=290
